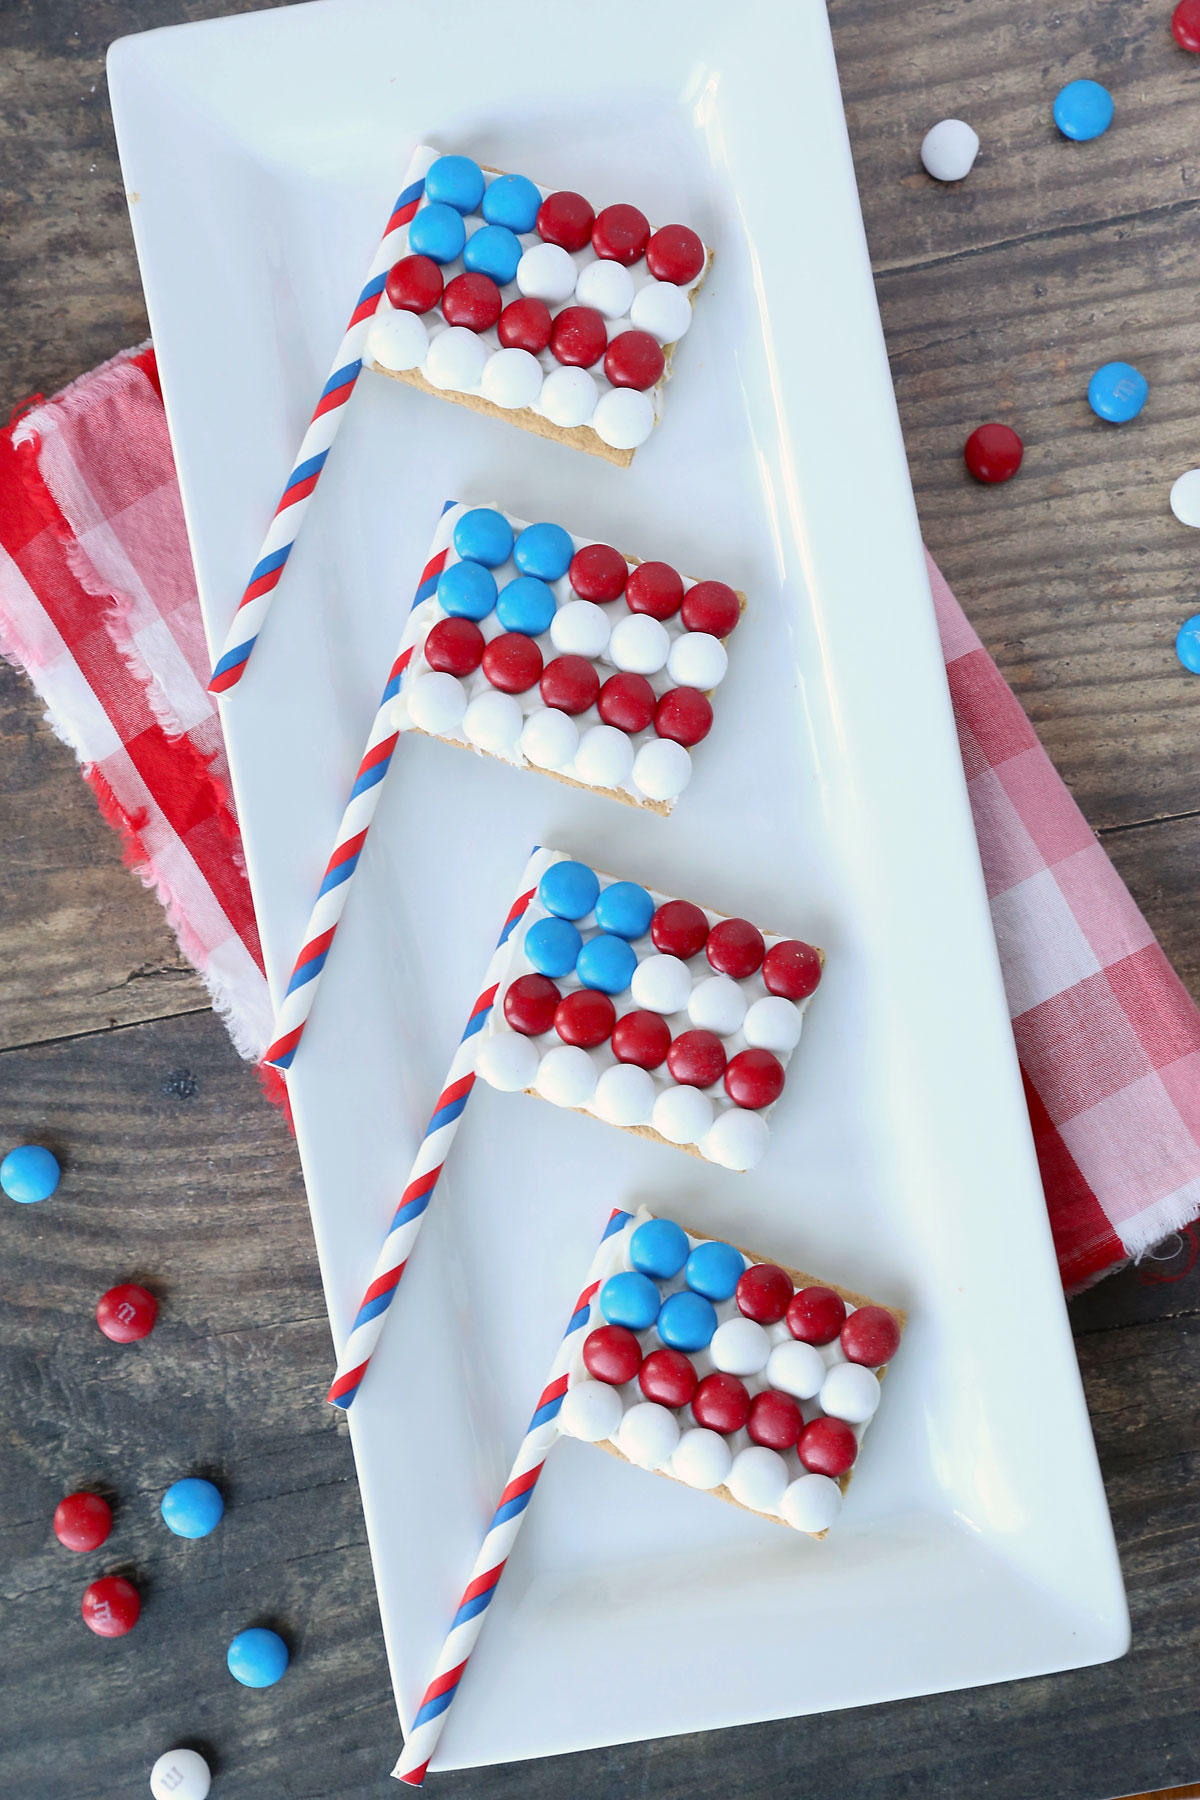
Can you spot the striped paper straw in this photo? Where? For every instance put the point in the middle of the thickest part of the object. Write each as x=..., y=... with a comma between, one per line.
x=478, y=1594
x=429, y=1163
x=310, y=458
x=334, y=891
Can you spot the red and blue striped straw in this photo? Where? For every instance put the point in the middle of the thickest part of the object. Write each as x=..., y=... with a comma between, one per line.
x=430, y=1160
x=310, y=458
x=496, y=1548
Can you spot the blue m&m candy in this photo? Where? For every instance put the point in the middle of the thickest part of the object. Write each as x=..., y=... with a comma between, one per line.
x=1117, y=392
x=545, y=551
x=687, y=1321
x=1187, y=644
x=438, y=233
x=625, y=908
x=630, y=1299
x=511, y=200
x=192, y=1507
x=466, y=590
x=257, y=1658
x=568, y=889
x=552, y=945
x=606, y=963
x=527, y=605
x=1083, y=110
x=659, y=1248
x=29, y=1174
x=714, y=1270
x=456, y=181
x=484, y=536
x=494, y=251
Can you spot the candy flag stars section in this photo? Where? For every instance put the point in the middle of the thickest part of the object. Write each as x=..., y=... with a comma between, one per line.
x=656, y=1015
x=558, y=653
x=526, y=303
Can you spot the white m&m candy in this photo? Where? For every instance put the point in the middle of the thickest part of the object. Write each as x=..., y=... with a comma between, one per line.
x=625, y=1095
x=639, y=644
x=624, y=418
x=437, y=702
x=512, y=378
x=550, y=738
x=546, y=272
x=604, y=758
x=773, y=1023
x=812, y=1503
x=607, y=286
x=718, y=1004
x=591, y=1410
x=456, y=360
x=567, y=1076
x=661, y=984
x=796, y=1369
x=180, y=1775
x=758, y=1478
x=398, y=340
x=697, y=660
x=493, y=722
x=648, y=1434
x=580, y=628
x=949, y=150
x=569, y=397
x=738, y=1140
x=682, y=1115
x=507, y=1061
x=702, y=1458
x=850, y=1392
x=662, y=769
x=740, y=1347
x=663, y=310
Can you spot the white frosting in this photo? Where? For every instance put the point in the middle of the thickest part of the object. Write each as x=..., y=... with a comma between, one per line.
x=621, y=417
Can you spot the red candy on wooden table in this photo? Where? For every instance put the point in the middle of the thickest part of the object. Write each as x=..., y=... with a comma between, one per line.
x=816, y=1315
x=612, y=1353
x=598, y=573
x=721, y=1403
x=775, y=1420
x=455, y=647
x=654, y=588
x=735, y=947
x=530, y=1004
x=585, y=1017
x=685, y=715
x=621, y=234
x=414, y=284
x=565, y=219
x=668, y=1377
x=1185, y=24
x=827, y=1447
x=697, y=1058
x=82, y=1521
x=764, y=1293
x=675, y=254
x=642, y=1038
x=126, y=1313
x=512, y=662
x=570, y=683
x=679, y=928
x=525, y=325
x=870, y=1336
x=627, y=701
x=993, y=453
x=111, y=1606
x=754, y=1079
x=578, y=337
x=473, y=300
x=711, y=606
x=634, y=359
x=791, y=969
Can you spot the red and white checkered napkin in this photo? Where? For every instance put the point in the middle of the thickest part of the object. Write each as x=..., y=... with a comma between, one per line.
x=98, y=605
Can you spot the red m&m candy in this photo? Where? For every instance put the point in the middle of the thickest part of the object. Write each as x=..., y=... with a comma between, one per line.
x=82, y=1521
x=530, y=1004
x=764, y=1293
x=570, y=683
x=612, y=1353
x=721, y=1403
x=627, y=701
x=579, y=337
x=668, y=1377
x=525, y=325
x=621, y=234
x=870, y=1336
x=775, y=1420
x=679, y=928
x=414, y=284
x=827, y=1447
x=642, y=1038
x=993, y=453
x=454, y=646
x=675, y=254
x=512, y=662
x=754, y=1078
x=565, y=219
x=735, y=947
x=697, y=1058
x=685, y=715
x=1185, y=23
x=711, y=606
x=655, y=588
x=585, y=1017
x=111, y=1606
x=791, y=969
x=473, y=300
x=816, y=1315
x=634, y=359
x=598, y=573
x=126, y=1313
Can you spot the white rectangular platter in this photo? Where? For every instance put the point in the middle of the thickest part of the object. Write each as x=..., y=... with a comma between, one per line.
x=261, y=155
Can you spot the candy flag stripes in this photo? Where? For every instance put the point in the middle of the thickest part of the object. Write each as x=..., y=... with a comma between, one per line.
x=310, y=458
x=478, y=1594
x=427, y=1167
x=297, y=1002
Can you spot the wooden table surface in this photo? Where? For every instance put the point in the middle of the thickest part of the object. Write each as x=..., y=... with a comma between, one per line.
x=999, y=298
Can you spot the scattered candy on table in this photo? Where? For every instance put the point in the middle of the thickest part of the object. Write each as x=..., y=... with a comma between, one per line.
x=949, y=149
x=29, y=1173
x=1185, y=498
x=180, y=1775
x=192, y=1507
x=1187, y=644
x=993, y=453
x=82, y=1521
x=1083, y=110
x=1117, y=392
x=126, y=1313
x=111, y=1606
x=257, y=1657
x=1185, y=23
